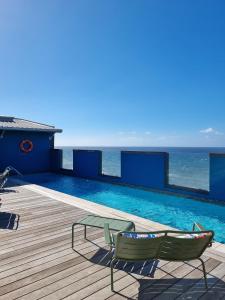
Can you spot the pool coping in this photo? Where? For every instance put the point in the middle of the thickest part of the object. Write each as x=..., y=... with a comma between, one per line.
x=217, y=251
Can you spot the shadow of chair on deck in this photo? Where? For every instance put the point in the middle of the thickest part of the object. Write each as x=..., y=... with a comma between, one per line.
x=182, y=288
x=147, y=268
x=9, y=221
x=166, y=288
x=172, y=288
x=7, y=189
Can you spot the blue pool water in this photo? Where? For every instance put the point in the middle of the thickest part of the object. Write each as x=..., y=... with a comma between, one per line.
x=170, y=210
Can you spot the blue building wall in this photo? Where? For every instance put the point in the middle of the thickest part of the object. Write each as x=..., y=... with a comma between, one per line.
x=56, y=159
x=87, y=163
x=38, y=160
x=217, y=176
x=148, y=169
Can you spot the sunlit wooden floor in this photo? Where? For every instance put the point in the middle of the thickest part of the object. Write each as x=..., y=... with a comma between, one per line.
x=37, y=261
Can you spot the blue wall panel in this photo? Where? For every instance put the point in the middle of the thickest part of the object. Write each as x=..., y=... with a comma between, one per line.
x=56, y=157
x=217, y=176
x=38, y=160
x=149, y=169
x=87, y=163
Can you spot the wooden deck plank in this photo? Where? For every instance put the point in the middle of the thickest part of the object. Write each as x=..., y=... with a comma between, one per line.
x=122, y=280
x=180, y=286
x=162, y=270
x=30, y=284
x=37, y=260
x=24, y=257
x=7, y=265
x=216, y=283
x=31, y=273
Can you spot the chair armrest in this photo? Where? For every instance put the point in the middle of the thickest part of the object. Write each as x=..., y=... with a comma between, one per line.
x=199, y=227
x=107, y=234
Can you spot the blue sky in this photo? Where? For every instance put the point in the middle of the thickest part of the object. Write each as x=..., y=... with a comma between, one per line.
x=122, y=72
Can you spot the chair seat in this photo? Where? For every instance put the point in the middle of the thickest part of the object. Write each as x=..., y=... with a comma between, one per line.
x=114, y=224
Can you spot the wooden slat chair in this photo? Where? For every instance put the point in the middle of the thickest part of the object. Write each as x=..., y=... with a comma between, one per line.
x=166, y=245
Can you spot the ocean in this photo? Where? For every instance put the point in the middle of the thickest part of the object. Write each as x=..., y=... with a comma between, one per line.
x=188, y=167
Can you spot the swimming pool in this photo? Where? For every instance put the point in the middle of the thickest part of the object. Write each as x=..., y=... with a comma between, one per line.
x=170, y=210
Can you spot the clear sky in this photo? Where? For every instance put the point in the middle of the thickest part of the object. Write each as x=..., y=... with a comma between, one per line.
x=121, y=72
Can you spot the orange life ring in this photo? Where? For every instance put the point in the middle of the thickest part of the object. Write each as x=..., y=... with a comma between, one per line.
x=26, y=146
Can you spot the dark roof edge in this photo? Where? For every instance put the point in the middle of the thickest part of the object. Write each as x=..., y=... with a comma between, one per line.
x=55, y=130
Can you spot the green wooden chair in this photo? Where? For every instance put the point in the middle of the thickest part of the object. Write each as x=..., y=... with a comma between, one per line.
x=166, y=245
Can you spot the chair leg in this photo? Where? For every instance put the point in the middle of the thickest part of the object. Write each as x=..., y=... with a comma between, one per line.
x=204, y=272
x=74, y=224
x=111, y=267
x=85, y=231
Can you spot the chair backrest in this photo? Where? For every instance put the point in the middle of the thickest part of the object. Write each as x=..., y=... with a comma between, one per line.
x=135, y=249
x=180, y=246
x=167, y=245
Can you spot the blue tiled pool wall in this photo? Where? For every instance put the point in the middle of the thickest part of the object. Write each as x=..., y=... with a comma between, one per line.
x=143, y=169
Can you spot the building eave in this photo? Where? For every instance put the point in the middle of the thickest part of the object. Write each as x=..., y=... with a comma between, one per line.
x=52, y=130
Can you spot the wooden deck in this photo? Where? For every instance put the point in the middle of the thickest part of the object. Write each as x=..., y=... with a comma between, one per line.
x=37, y=261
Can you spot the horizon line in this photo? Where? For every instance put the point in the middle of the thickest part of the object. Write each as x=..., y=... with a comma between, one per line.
x=101, y=146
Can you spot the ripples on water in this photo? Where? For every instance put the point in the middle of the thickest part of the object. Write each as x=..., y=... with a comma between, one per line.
x=187, y=166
